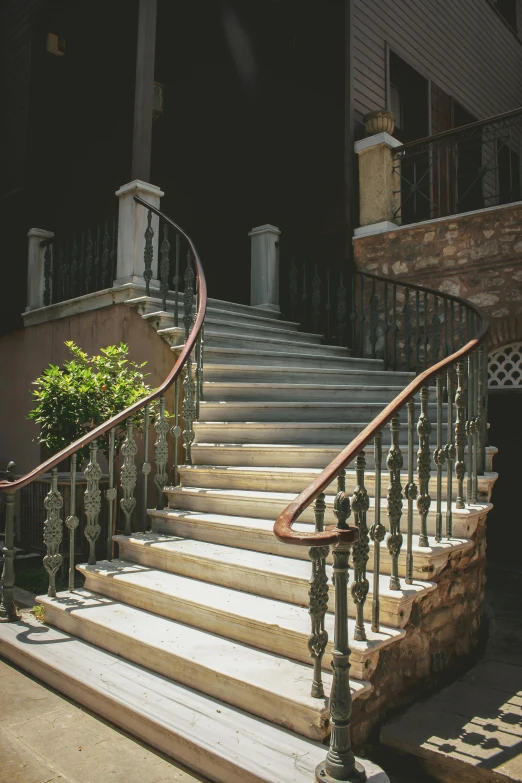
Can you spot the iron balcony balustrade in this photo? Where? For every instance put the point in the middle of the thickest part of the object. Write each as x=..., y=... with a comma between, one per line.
x=460, y=170
x=442, y=337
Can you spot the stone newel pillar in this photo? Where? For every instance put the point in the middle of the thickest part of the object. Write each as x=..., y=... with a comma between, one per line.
x=379, y=185
x=132, y=222
x=264, y=281
x=35, y=268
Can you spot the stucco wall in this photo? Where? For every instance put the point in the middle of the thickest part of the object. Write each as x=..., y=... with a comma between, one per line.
x=24, y=353
x=476, y=256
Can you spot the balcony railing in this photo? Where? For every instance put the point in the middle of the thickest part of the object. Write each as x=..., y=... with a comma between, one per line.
x=460, y=170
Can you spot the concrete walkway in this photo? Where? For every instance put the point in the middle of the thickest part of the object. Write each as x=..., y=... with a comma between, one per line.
x=471, y=731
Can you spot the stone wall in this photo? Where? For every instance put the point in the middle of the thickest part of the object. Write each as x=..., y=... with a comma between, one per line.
x=477, y=256
x=442, y=632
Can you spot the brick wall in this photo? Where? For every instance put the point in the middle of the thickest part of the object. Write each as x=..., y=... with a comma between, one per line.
x=476, y=256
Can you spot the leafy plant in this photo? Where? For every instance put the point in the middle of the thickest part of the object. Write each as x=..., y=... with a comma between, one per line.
x=85, y=392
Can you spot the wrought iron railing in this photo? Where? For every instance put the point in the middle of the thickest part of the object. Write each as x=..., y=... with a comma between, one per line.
x=460, y=170
x=443, y=338
x=149, y=412
x=79, y=262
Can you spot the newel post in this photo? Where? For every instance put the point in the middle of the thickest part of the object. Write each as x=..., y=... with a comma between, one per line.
x=264, y=280
x=379, y=184
x=132, y=224
x=36, y=276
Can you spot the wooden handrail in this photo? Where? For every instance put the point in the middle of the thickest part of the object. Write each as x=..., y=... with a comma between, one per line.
x=331, y=535
x=101, y=429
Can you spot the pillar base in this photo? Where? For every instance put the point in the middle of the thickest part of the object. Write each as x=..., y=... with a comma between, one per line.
x=322, y=776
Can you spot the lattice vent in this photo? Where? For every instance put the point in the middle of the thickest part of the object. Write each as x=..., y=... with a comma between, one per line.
x=505, y=366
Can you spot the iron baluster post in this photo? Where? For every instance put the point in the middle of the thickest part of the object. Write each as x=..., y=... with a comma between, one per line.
x=450, y=457
x=111, y=492
x=425, y=331
x=188, y=296
x=72, y=521
x=481, y=418
x=146, y=466
x=470, y=426
x=176, y=432
x=452, y=326
x=436, y=330
x=439, y=457
x=318, y=601
x=410, y=491
x=361, y=314
x=461, y=328
x=176, y=282
x=407, y=329
x=48, y=262
x=128, y=476
x=377, y=532
x=394, y=326
x=423, y=465
x=8, y=611
x=373, y=320
x=92, y=501
x=53, y=532
x=148, y=254
x=353, y=314
x=189, y=410
x=341, y=311
x=316, y=301
x=386, y=326
x=475, y=425
x=460, y=435
x=340, y=761
x=161, y=451
x=199, y=371
x=417, y=331
x=361, y=549
x=164, y=266
x=394, y=497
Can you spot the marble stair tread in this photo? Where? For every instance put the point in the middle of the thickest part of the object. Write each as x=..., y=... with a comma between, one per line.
x=254, y=331
x=318, y=358
x=149, y=304
x=215, y=315
x=261, y=683
x=371, y=374
x=258, y=534
x=272, y=576
x=274, y=626
x=220, y=742
x=292, y=392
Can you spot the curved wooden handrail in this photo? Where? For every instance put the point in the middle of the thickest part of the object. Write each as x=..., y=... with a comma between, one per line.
x=283, y=525
x=101, y=429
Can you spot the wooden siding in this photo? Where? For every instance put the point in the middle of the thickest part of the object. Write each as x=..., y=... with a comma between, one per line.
x=465, y=48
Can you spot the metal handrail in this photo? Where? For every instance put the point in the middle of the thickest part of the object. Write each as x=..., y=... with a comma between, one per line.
x=283, y=525
x=101, y=429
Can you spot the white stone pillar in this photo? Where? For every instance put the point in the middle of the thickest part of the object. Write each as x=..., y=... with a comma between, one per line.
x=132, y=222
x=264, y=280
x=379, y=184
x=35, y=267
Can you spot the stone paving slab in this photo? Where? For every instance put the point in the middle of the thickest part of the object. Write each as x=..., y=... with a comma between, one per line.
x=44, y=738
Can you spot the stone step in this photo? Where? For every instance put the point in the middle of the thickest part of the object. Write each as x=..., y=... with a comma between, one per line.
x=164, y=319
x=229, y=342
x=272, y=576
x=294, y=480
x=229, y=333
x=274, y=626
x=290, y=455
x=258, y=682
x=269, y=505
x=317, y=411
x=220, y=742
x=296, y=356
x=352, y=372
x=256, y=534
x=150, y=304
x=297, y=392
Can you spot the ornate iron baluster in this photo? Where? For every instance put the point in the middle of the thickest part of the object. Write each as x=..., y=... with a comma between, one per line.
x=386, y=326
x=176, y=282
x=417, y=331
x=164, y=266
x=450, y=457
x=341, y=311
x=111, y=492
x=439, y=458
x=435, y=323
x=481, y=430
x=425, y=330
x=373, y=321
x=161, y=452
x=92, y=502
x=53, y=532
x=410, y=492
x=316, y=301
x=176, y=432
x=189, y=410
x=199, y=371
x=461, y=330
x=8, y=611
x=318, y=601
x=148, y=255
x=361, y=318
x=293, y=289
x=394, y=327
x=88, y=262
x=48, y=262
x=452, y=326
x=475, y=425
x=407, y=329
x=361, y=549
x=470, y=426
x=423, y=465
x=105, y=257
x=377, y=533
x=146, y=466
x=128, y=476
x=460, y=435
x=394, y=465
x=188, y=296
x=72, y=521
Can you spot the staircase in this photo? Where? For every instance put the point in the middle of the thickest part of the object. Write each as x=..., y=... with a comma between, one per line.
x=199, y=630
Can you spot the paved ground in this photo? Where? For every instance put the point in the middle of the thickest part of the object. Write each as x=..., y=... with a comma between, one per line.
x=472, y=730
